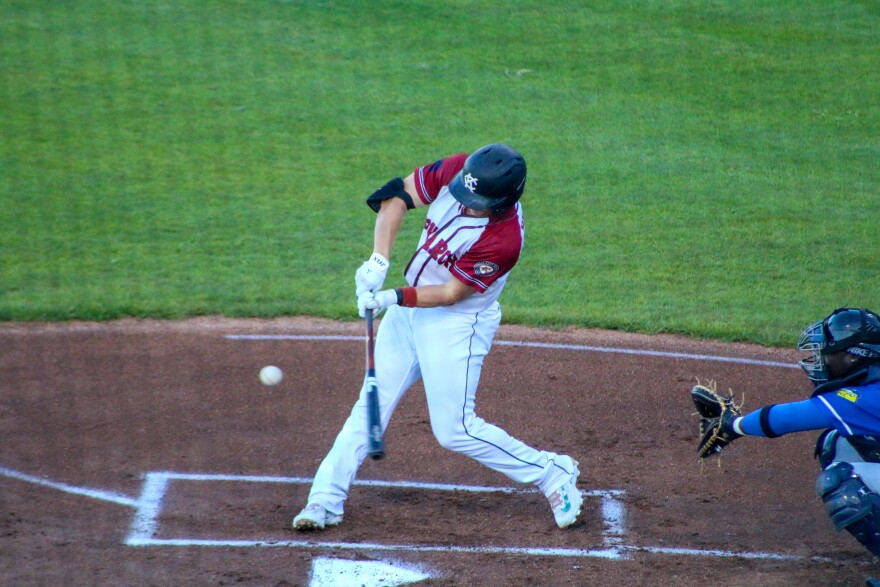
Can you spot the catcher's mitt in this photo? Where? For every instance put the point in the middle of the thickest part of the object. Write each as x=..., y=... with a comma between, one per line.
x=717, y=413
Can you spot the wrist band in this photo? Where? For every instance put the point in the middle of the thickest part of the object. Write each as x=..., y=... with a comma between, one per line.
x=764, y=419
x=406, y=296
x=737, y=425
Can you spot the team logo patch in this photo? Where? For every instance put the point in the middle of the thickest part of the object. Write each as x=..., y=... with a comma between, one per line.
x=470, y=182
x=485, y=268
x=848, y=395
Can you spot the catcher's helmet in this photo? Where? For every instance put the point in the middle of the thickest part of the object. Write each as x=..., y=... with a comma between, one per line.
x=493, y=178
x=851, y=330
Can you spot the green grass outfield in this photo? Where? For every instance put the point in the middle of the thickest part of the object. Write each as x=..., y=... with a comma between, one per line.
x=701, y=167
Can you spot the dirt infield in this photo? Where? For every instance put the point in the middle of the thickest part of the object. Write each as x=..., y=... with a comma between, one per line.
x=148, y=453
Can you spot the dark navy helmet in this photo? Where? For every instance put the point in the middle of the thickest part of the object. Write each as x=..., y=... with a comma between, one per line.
x=493, y=178
x=851, y=330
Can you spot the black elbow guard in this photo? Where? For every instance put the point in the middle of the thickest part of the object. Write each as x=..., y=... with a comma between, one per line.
x=392, y=189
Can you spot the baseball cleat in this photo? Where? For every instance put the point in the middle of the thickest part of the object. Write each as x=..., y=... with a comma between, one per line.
x=566, y=499
x=315, y=517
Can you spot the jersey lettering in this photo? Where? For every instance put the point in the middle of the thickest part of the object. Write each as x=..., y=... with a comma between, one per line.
x=436, y=247
x=431, y=230
x=439, y=249
x=440, y=253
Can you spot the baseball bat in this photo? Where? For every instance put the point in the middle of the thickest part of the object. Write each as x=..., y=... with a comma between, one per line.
x=376, y=442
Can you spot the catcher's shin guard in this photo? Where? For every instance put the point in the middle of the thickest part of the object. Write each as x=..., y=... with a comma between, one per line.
x=851, y=504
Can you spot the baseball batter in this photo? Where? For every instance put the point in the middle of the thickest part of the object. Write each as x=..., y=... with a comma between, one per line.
x=440, y=326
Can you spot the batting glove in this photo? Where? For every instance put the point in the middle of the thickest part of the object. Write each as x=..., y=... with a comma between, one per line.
x=371, y=275
x=376, y=301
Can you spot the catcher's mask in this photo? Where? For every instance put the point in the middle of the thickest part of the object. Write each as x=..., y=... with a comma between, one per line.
x=493, y=178
x=852, y=330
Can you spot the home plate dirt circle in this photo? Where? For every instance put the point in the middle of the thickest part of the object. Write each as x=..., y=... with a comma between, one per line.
x=149, y=453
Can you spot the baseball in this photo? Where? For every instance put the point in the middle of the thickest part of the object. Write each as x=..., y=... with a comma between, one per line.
x=271, y=375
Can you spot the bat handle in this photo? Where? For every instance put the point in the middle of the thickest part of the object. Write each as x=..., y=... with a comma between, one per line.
x=371, y=361
x=368, y=314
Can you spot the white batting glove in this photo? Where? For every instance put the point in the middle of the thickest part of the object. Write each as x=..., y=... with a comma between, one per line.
x=376, y=301
x=371, y=275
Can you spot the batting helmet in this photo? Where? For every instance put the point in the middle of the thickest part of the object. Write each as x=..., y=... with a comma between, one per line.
x=852, y=330
x=493, y=178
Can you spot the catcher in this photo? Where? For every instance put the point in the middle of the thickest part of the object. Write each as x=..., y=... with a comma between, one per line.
x=844, y=366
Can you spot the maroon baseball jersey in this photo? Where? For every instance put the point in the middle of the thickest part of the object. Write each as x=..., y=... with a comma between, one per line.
x=479, y=252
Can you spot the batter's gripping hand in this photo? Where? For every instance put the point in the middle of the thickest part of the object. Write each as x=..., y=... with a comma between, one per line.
x=371, y=275
x=717, y=413
x=376, y=301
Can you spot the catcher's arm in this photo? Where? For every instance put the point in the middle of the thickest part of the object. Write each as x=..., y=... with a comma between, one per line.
x=718, y=419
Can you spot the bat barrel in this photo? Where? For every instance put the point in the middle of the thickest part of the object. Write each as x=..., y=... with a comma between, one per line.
x=375, y=440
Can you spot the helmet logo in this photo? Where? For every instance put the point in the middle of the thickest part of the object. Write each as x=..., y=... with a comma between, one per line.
x=862, y=352
x=470, y=182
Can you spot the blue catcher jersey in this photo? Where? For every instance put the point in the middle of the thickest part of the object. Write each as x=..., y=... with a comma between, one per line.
x=854, y=410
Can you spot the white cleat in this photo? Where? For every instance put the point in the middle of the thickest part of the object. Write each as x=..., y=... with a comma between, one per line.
x=316, y=517
x=566, y=499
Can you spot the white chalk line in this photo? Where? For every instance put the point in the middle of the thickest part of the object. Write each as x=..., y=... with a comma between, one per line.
x=93, y=493
x=609, y=553
x=146, y=517
x=148, y=507
x=617, y=552
x=156, y=484
x=543, y=345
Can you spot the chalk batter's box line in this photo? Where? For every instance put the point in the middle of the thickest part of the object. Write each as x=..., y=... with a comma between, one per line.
x=619, y=552
x=156, y=484
x=614, y=548
x=149, y=506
